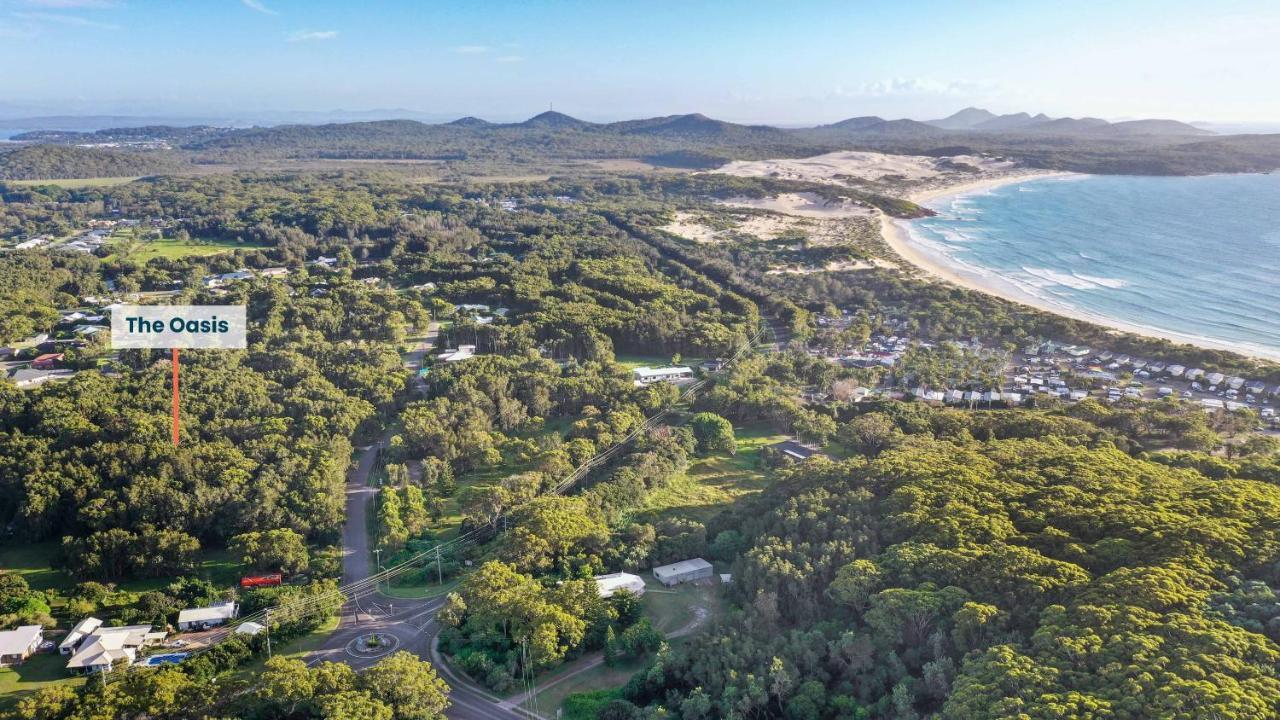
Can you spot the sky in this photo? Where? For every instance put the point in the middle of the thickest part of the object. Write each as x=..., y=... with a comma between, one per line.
x=793, y=63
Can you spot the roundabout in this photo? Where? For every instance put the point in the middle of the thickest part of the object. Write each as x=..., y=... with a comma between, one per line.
x=373, y=645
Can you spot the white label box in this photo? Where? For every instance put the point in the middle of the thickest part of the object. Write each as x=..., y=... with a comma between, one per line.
x=195, y=327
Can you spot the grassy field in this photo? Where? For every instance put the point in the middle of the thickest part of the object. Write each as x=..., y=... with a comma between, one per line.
x=34, y=561
x=73, y=183
x=174, y=249
x=631, y=362
x=713, y=483
x=600, y=677
x=37, y=672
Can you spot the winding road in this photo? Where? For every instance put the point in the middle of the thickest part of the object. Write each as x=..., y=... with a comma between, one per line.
x=402, y=624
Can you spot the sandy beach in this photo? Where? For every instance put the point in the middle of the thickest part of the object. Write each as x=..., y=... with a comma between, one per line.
x=897, y=235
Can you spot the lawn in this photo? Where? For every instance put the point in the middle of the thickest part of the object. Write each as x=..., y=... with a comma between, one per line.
x=38, y=671
x=683, y=608
x=600, y=677
x=72, y=183
x=631, y=362
x=34, y=562
x=713, y=483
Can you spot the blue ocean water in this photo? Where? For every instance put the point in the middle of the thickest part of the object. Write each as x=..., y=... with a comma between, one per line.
x=1193, y=258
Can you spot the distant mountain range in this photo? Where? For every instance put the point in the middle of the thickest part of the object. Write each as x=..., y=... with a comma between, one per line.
x=689, y=125
x=693, y=140
x=973, y=119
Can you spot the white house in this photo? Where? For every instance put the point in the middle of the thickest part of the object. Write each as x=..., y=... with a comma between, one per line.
x=648, y=375
x=683, y=571
x=207, y=617
x=83, y=629
x=609, y=584
x=107, y=647
x=18, y=645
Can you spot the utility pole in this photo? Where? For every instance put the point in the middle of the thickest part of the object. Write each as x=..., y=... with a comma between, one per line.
x=267, y=630
x=439, y=572
x=377, y=553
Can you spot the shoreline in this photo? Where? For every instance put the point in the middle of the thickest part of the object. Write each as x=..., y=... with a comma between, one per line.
x=897, y=235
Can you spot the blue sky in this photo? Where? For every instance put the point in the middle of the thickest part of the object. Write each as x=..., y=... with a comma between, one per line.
x=781, y=62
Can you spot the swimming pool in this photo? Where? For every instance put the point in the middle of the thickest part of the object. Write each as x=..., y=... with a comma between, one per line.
x=166, y=659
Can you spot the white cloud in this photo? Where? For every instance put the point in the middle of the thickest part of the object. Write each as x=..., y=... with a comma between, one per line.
x=471, y=49
x=509, y=59
x=309, y=35
x=257, y=6
x=72, y=20
x=912, y=86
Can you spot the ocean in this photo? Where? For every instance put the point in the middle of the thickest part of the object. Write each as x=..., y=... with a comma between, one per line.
x=1195, y=259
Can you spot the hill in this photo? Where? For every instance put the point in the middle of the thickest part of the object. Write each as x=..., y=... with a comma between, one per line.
x=56, y=162
x=965, y=119
x=979, y=120
x=556, y=121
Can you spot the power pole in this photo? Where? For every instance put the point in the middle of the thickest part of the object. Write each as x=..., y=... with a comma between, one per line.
x=267, y=630
x=439, y=572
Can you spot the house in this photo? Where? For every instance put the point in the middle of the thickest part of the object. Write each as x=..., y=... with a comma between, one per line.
x=649, y=376
x=683, y=571
x=82, y=630
x=1176, y=370
x=607, y=585
x=274, y=272
x=87, y=330
x=32, y=243
x=462, y=352
x=207, y=617
x=108, y=647
x=1214, y=378
x=324, y=262
x=18, y=645
x=48, y=361
x=28, y=378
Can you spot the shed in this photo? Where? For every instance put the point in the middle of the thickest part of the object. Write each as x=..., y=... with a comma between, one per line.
x=683, y=571
x=207, y=617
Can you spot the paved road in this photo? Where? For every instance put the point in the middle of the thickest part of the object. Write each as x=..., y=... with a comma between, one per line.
x=403, y=624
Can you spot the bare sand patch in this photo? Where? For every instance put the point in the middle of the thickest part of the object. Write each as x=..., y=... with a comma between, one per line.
x=806, y=204
x=918, y=177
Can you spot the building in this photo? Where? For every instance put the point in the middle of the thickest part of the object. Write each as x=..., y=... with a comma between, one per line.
x=82, y=630
x=649, y=376
x=207, y=617
x=274, y=272
x=683, y=571
x=462, y=352
x=18, y=645
x=28, y=378
x=794, y=450
x=108, y=647
x=249, y=628
x=609, y=584
x=48, y=361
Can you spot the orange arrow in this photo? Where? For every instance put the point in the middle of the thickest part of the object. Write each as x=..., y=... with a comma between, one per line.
x=175, y=397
